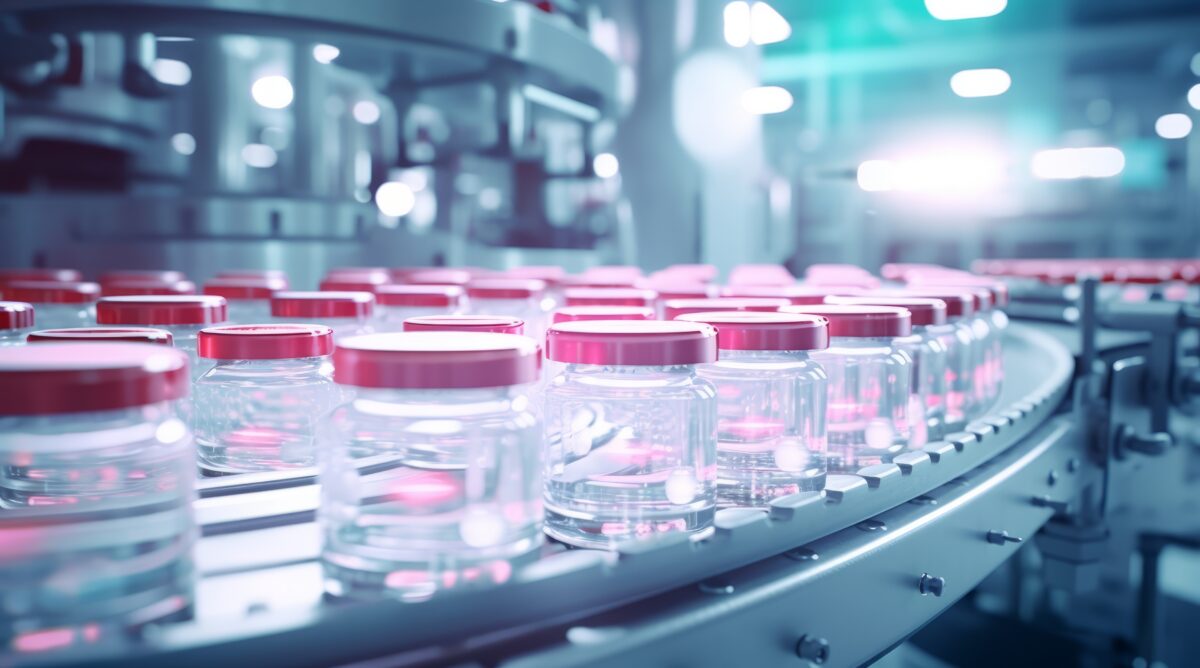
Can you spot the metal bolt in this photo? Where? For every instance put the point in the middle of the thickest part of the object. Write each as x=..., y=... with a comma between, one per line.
x=1072, y=465
x=1001, y=537
x=802, y=554
x=813, y=649
x=923, y=500
x=1052, y=478
x=872, y=525
x=716, y=587
x=932, y=585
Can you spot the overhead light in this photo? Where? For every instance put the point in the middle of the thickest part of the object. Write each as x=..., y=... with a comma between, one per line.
x=956, y=172
x=183, y=143
x=766, y=100
x=605, y=165
x=325, y=53
x=980, y=83
x=366, y=112
x=259, y=155
x=1173, y=126
x=957, y=10
x=1078, y=163
x=1194, y=96
x=171, y=72
x=737, y=24
x=395, y=199
x=766, y=25
x=272, y=92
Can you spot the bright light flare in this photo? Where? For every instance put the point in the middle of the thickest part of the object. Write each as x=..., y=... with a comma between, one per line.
x=980, y=83
x=1078, y=163
x=737, y=24
x=1193, y=96
x=1173, y=126
x=325, y=53
x=766, y=100
x=273, y=92
x=957, y=10
x=606, y=165
x=259, y=155
x=766, y=25
x=366, y=112
x=172, y=72
x=941, y=172
x=395, y=199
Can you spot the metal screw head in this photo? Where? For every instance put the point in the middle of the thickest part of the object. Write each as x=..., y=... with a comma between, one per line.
x=1052, y=478
x=1072, y=465
x=813, y=649
x=802, y=554
x=932, y=585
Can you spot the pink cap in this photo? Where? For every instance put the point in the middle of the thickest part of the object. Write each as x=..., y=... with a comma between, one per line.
x=439, y=277
x=353, y=282
x=631, y=342
x=377, y=272
x=496, y=324
x=322, y=305
x=103, y=335
x=860, y=321
x=261, y=274
x=78, y=377
x=699, y=272
x=245, y=289
x=125, y=288
x=49, y=292
x=925, y=311
x=505, y=288
x=16, y=315
x=610, y=297
x=551, y=274
x=600, y=281
x=436, y=360
x=573, y=313
x=32, y=274
x=794, y=294
x=154, y=275
x=162, y=310
x=761, y=274
x=445, y=296
x=667, y=291
x=619, y=271
x=981, y=296
x=959, y=303
x=264, y=342
x=677, y=307
x=749, y=330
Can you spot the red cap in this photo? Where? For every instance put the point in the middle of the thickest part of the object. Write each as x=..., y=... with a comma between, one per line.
x=677, y=307
x=505, y=288
x=795, y=294
x=353, y=282
x=153, y=275
x=925, y=311
x=49, y=292
x=162, y=310
x=103, y=335
x=419, y=295
x=30, y=274
x=573, y=313
x=981, y=296
x=245, y=289
x=377, y=272
x=610, y=297
x=264, y=342
x=439, y=277
x=322, y=304
x=998, y=289
x=631, y=342
x=496, y=324
x=749, y=330
x=600, y=281
x=147, y=287
x=436, y=360
x=16, y=315
x=959, y=303
x=261, y=274
x=77, y=377
x=860, y=321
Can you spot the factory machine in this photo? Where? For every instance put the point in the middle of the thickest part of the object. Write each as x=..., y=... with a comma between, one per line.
x=201, y=134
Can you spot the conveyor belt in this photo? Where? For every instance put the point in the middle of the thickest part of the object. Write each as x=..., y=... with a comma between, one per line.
x=260, y=591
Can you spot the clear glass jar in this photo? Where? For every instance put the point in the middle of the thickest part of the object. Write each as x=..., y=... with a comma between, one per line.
x=397, y=303
x=249, y=298
x=958, y=338
x=16, y=322
x=96, y=486
x=927, y=404
x=259, y=407
x=630, y=446
x=522, y=298
x=452, y=498
x=770, y=405
x=346, y=313
x=181, y=315
x=870, y=383
x=57, y=305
